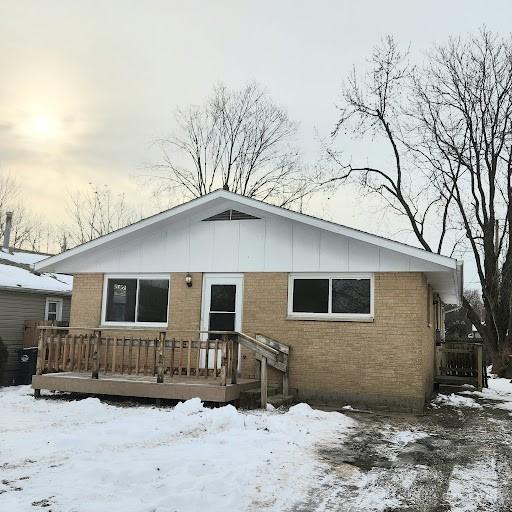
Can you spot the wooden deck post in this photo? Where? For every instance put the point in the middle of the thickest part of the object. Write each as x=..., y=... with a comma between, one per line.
x=40, y=359
x=96, y=356
x=263, y=382
x=234, y=362
x=285, y=384
x=224, y=361
x=160, y=371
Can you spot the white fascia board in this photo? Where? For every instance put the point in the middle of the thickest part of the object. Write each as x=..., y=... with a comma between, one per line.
x=445, y=261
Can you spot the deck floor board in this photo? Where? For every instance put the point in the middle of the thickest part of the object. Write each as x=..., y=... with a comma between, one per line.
x=173, y=388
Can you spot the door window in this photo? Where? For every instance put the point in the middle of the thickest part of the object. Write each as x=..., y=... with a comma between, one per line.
x=222, y=308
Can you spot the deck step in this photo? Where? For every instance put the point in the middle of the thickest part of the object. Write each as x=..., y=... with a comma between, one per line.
x=279, y=400
x=251, y=398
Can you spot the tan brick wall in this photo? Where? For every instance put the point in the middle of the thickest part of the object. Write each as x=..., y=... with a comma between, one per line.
x=185, y=303
x=86, y=300
x=389, y=359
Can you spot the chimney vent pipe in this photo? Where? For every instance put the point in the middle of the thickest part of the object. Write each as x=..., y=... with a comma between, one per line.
x=7, y=231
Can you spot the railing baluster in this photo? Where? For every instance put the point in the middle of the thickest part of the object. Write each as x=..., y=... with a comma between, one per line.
x=198, y=357
x=180, y=361
x=130, y=355
x=137, y=362
x=65, y=353
x=87, y=352
x=172, y=358
x=215, y=358
x=105, y=359
x=189, y=342
x=206, y=359
x=114, y=354
x=57, y=353
x=123, y=339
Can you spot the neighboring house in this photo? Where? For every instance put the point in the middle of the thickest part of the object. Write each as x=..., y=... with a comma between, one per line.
x=359, y=312
x=26, y=295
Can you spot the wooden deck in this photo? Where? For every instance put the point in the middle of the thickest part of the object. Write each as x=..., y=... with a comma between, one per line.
x=175, y=388
x=161, y=366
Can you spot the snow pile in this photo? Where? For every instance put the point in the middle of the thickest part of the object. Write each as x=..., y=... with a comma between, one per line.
x=499, y=391
x=457, y=401
x=86, y=455
x=474, y=487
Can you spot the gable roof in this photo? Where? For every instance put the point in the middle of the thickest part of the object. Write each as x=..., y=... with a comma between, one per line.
x=445, y=261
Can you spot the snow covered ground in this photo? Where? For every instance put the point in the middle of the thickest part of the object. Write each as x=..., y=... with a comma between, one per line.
x=87, y=455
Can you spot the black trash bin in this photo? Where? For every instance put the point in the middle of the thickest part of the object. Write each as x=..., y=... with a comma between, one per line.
x=27, y=359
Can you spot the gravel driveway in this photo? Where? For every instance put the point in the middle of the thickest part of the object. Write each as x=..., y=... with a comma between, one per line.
x=457, y=457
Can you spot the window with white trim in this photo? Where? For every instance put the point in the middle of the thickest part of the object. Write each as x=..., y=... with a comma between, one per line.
x=53, y=309
x=331, y=296
x=136, y=300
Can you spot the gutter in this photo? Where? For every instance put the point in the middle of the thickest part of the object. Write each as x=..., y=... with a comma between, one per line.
x=35, y=290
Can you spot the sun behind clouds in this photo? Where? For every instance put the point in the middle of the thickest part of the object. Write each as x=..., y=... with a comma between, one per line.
x=44, y=126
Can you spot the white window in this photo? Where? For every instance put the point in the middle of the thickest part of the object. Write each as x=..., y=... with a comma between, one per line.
x=53, y=309
x=141, y=300
x=331, y=297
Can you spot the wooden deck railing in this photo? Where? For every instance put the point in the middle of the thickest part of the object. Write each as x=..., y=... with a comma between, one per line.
x=459, y=362
x=103, y=352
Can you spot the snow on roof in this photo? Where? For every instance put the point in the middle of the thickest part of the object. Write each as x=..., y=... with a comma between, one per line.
x=24, y=257
x=16, y=274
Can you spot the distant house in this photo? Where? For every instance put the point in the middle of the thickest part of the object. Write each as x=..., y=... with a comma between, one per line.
x=26, y=295
x=344, y=315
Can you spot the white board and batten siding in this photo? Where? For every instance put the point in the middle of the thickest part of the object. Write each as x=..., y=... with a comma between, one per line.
x=278, y=241
x=263, y=245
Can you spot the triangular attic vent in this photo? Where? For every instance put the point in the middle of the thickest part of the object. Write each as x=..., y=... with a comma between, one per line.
x=231, y=215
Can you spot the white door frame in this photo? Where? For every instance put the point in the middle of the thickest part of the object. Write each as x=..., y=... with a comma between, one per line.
x=216, y=278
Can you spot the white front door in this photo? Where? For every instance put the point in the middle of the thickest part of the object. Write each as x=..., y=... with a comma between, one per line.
x=222, y=307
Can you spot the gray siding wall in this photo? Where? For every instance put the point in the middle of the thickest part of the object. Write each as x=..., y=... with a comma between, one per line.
x=15, y=308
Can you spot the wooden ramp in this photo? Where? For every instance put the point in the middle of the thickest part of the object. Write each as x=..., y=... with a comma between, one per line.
x=175, y=388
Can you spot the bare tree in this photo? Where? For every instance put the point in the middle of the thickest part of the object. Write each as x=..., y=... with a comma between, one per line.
x=239, y=140
x=448, y=124
x=95, y=213
x=26, y=231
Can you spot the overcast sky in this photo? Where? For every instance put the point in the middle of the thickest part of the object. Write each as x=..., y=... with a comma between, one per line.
x=85, y=87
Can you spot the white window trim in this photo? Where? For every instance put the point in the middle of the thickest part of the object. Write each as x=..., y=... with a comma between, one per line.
x=59, y=303
x=105, y=323
x=339, y=317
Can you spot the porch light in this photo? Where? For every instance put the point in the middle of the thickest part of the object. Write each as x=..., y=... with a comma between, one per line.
x=188, y=280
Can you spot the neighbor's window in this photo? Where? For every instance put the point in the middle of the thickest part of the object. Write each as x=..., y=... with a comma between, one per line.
x=334, y=296
x=53, y=309
x=141, y=300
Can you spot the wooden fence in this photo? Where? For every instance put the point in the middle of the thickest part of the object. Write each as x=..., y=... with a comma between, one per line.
x=459, y=362
x=31, y=331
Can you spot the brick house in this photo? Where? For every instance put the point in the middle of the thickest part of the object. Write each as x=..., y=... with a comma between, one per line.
x=359, y=313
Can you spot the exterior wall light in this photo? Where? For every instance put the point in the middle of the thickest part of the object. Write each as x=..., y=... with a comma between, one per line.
x=188, y=280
